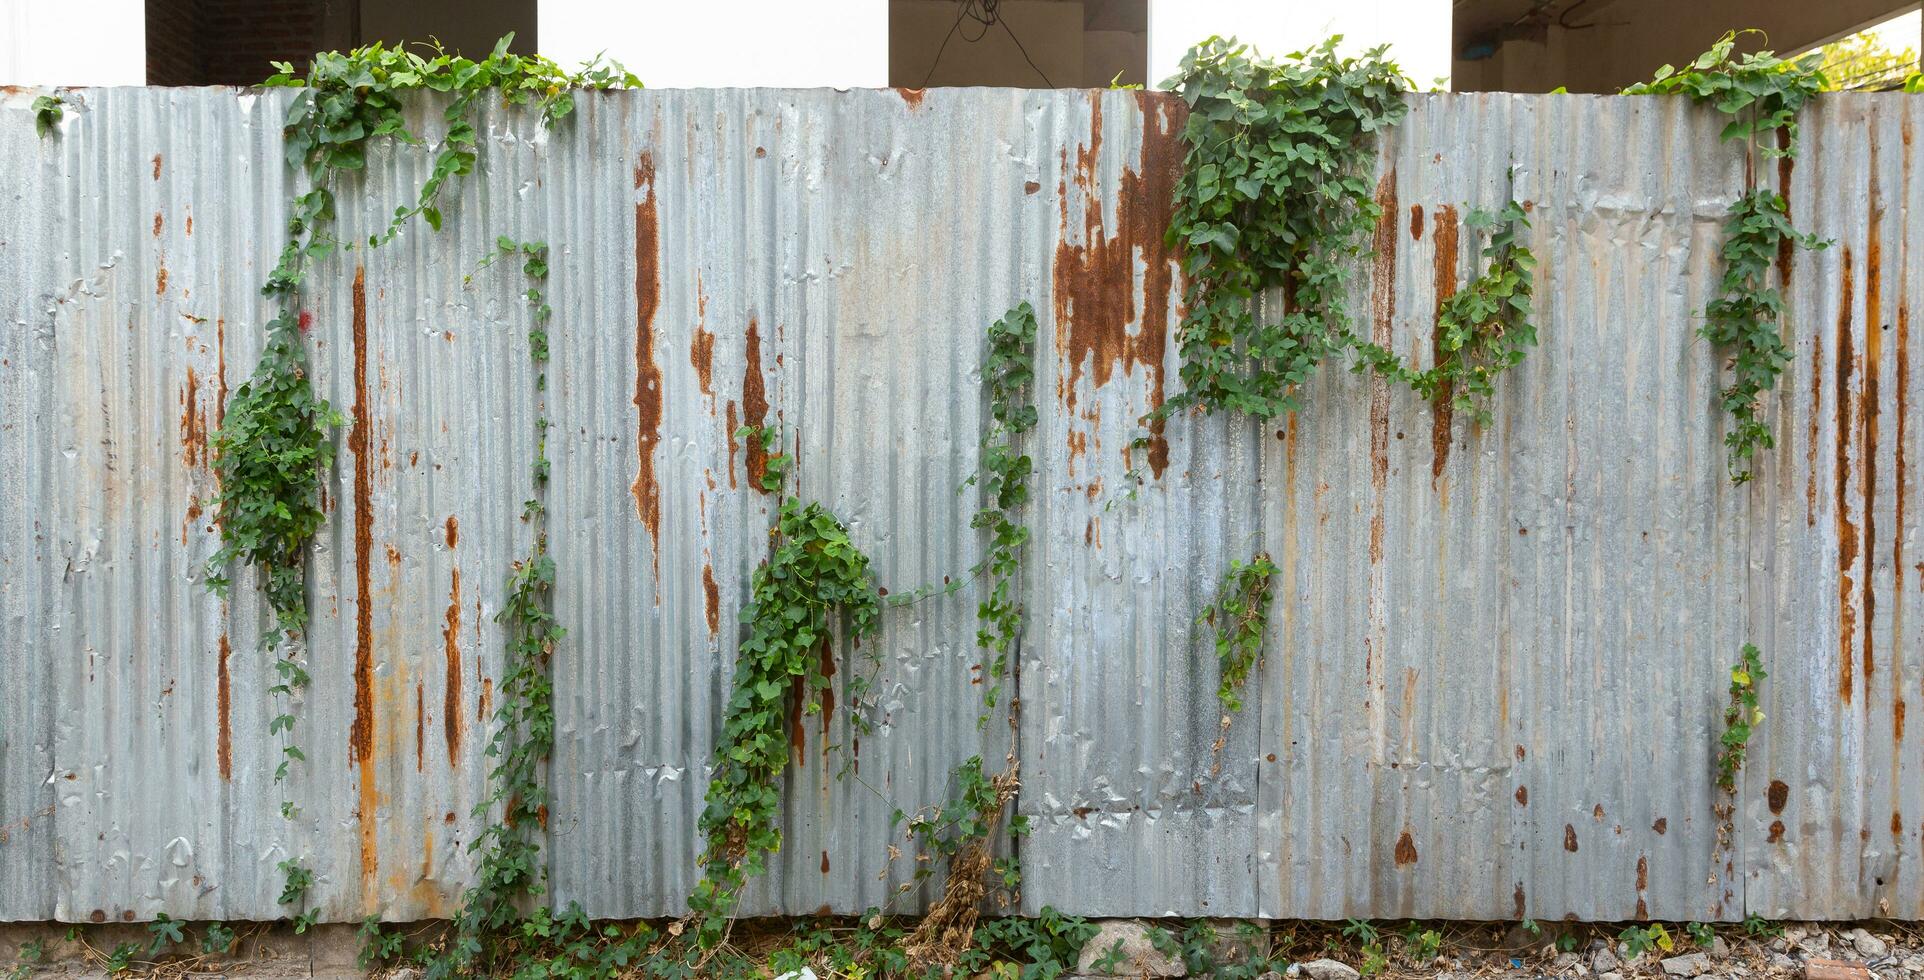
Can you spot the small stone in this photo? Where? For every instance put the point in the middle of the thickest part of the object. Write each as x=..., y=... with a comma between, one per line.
x=1780, y=961
x=1718, y=948
x=1688, y=965
x=1122, y=948
x=1610, y=976
x=1293, y=971
x=1329, y=970
x=1836, y=970
x=1604, y=960
x=1914, y=964
x=410, y=973
x=1868, y=946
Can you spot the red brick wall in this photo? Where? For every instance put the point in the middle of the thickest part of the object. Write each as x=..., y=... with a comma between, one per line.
x=239, y=38
x=173, y=33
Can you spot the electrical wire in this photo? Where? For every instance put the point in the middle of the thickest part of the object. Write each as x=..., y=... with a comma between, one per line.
x=984, y=13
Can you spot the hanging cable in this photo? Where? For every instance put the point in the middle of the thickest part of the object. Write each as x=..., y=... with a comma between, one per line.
x=984, y=13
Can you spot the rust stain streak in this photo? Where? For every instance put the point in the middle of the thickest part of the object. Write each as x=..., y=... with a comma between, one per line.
x=193, y=423
x=1095, y=294
x=420, y=726
x=220, y=372
x=711, y=594
x=646, y=491
x=754, y=406
x=701, y=350
x=912, y=97
x=1785, y=247
x=223, y=701
x=1868, y=412
x=1405, y=850
x=361, y=736
x=1569, y=838
x=156, y=166
x=734, y=443
x=1846, y=531
x=451, y=531
x=1382, y=325
x=1443, y=275
x=1416, y=222
x=451, y=697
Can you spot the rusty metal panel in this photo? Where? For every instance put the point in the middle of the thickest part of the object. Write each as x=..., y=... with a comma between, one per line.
x=1497, y=663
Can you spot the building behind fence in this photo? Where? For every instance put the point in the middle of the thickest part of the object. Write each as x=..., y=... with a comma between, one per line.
x=1496, y=669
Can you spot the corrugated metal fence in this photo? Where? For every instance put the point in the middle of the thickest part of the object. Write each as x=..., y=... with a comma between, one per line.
x=1497, y=663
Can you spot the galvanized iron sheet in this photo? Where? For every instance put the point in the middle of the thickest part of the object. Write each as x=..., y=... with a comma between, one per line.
x=1496, y=667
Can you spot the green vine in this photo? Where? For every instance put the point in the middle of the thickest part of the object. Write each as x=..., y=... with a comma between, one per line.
x=1740, y=718
x=1274, y=195
x=525, y=720
x=273, y=443
x=1761, y=94
x=814, y=575
x=46, y=115
x=1482, y=330
x=1004, y=478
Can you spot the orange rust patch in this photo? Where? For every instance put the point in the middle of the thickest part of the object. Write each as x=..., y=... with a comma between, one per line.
x=734, y=443
x=361, y=735
x=1777, y=796
x=754, y=404
x=451, y=531
x=160, y=281
x=193, y=422
x=220, y=371
x=711, y=593
x=1643, y=873
x=223, y=701
x=1897, y=720
x=1785, y=247
x=1405, y=850
x=1443, y=275
x=1523, y=796
x=157, y=224
x=451, y=698
x=420, y=727
x=1416, y=222
x=487, y=699
x=1662, y=826
x=156, y=166
x=1776, y=832
x=1569, y=838
x=701, y=354
x=1096, y=299
x=1846, y=530
x=912, y=96
x=646, y=491
x=1030, y=187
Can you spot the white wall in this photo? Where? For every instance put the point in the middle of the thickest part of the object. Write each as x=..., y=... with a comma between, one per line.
x=1418, y=31
x=73, y=42
x=697, y=43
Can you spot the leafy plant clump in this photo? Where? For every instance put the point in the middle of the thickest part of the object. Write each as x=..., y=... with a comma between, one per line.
x=1483, y=329
x=1762, y=95
x=1274, y=195
x=47, y=110
x=1239, y=617
x=814, y=575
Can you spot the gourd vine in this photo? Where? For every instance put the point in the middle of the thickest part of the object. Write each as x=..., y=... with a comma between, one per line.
x=1762, y=95
x=1239, y=617
x=525, y=720
x=1274, y=195
x=1482, y=330
x=960, y=831
x=273, y=443
x=813, y=576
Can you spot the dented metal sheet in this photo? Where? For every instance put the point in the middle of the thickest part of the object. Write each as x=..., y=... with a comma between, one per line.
x=1497, y=661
